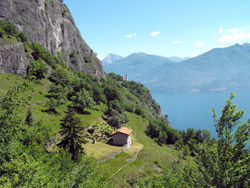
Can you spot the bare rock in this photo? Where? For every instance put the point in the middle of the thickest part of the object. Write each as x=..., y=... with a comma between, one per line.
x=49, y=23
x=13, y=58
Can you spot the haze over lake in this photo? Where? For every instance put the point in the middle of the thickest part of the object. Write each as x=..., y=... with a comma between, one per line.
x=194, y=110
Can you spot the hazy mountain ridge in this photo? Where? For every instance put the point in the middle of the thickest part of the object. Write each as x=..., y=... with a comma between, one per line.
x=178, y=59
x=111, y=58
x=136, y=64
x=217, y=69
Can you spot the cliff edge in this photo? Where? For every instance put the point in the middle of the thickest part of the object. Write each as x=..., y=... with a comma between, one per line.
x=50, y=23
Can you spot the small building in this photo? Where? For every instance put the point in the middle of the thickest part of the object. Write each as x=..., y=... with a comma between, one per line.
x=122, y=137
x=125, y=78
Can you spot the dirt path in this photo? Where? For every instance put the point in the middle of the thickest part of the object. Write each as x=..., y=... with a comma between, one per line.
x=130, y=161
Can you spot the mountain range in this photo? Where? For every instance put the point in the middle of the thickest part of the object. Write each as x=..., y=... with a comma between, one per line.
x=135, y=65
x=217, y=69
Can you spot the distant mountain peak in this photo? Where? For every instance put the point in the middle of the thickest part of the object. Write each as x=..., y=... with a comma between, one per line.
x=111, y=58
x=178, y=59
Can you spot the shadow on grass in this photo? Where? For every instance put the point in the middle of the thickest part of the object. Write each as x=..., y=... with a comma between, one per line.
x=81, y=111
x=51, y=112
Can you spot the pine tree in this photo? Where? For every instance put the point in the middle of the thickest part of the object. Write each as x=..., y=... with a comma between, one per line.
x=29, y=117
x=71, y=130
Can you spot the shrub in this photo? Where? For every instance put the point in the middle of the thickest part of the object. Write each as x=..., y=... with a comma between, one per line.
x=10, y=29
x=117, y=120
x=139, y=111
x=37, y=70
x=1, y=32
x=73, y=57
x=23, y=36
x=129, y=108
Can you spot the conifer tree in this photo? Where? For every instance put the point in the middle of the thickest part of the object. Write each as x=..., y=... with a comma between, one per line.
x=71, y=130
x=29, y=117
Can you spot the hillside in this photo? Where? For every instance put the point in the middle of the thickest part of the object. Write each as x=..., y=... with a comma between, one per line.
x=66, y=123
x=49, y=23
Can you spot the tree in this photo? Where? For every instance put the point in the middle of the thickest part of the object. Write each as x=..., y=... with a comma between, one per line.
x=37, y=69
x=58, y=92
x=29, y=118
x=226, y=164
x=52, y=104
x=71, y=130
x=83, y=100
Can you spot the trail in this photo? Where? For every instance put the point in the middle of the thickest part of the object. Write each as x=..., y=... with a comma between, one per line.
x=133, y=159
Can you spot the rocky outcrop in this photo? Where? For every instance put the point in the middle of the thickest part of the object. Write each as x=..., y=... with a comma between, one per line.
x=49, y=23
x=13, y=58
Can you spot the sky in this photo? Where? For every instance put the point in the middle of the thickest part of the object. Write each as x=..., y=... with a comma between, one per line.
x=161, y=27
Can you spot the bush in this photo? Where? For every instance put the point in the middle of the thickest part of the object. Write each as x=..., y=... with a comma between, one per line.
x=23, y=36
x=37, y=70
x=161, y=133
x=60, y=76
x=1, y=32
x=73, y=57
x=139, y=111
x=117, y=120
x=10, y=29
x=40, y=52
x=129, y=108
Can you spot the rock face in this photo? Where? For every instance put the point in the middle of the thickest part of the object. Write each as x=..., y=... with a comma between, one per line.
x=13, y=58
x=49, y=23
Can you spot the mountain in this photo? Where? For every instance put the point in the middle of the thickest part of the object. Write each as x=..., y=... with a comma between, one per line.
x=110, y=58
x=178, y=59
x=218, y=69
x=50, y=24
x=136, y=64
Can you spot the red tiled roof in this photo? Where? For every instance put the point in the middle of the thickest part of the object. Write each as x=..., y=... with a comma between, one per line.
x=123, y=130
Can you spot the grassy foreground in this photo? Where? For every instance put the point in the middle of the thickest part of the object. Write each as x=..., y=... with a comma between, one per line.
x=145, y=157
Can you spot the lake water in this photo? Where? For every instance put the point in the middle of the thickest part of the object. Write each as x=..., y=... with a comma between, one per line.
x=194, y=110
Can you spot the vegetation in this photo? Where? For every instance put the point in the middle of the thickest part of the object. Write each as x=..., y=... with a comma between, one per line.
x=44, y=147
x=73, y=56
x=24, y=161
x=37, y=70
x=229, y=155
x=222, y=164
x=72, y=133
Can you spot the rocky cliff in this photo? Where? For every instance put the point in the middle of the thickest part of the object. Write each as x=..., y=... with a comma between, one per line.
x=49, y=23
x=13, y=58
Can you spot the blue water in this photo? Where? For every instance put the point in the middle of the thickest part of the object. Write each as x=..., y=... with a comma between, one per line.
x=194, y=110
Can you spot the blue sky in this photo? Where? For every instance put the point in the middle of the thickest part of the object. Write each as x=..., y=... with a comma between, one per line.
x=161, y=27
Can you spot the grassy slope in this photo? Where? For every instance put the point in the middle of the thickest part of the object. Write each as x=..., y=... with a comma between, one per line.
x=149, y=153
x=38, y=103
x=147, y=157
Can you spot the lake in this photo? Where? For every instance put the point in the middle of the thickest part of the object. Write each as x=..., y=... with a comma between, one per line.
x=194, y=110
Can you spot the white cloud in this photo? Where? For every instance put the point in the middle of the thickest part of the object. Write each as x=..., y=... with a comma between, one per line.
x=100, y=57
x=130, y=35
x=221, y=30
x=233, y=30
x=199, y=44
x=234, y=37
x=243, y=29
x=177, y=42
x=155, y=33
